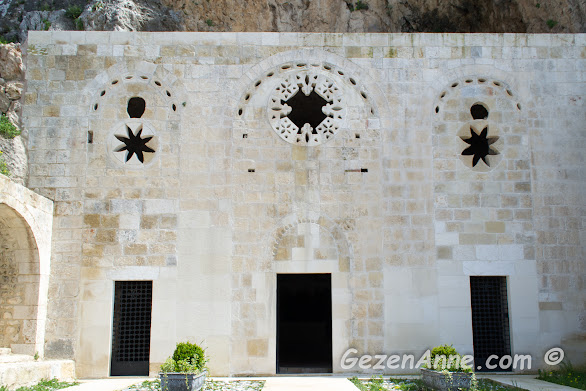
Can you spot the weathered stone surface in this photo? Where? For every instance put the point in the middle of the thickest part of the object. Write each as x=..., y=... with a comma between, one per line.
x=14, y=154
x=129, y=15
x=4, y=102
x=297, y=16
x=11, y=67
x=13, y=90
x=44, y=21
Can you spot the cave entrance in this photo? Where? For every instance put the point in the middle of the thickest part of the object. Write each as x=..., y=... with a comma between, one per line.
x=304, y=323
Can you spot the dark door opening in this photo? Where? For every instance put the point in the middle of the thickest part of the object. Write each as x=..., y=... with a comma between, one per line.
x=490, y=321
x=304, y=323
x=131, y=328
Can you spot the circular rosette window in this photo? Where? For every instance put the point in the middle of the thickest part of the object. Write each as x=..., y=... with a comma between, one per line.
x=133, y=143
x=306, y=109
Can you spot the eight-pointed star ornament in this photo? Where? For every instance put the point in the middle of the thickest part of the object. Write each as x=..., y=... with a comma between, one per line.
x=134, y=144
x=480, y=146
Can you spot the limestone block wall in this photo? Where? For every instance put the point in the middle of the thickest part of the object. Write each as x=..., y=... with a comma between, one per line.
x=376, y=191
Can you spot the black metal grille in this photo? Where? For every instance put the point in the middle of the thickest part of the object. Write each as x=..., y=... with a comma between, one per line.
x=490, y=321
x=131, y=334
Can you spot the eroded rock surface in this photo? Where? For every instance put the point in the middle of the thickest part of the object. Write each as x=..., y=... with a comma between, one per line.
x=11, y=90
x=494, y=16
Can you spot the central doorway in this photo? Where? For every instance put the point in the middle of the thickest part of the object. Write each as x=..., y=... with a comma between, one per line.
x=304, y=323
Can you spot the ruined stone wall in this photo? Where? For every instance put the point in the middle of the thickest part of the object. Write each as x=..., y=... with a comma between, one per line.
x=379, y=193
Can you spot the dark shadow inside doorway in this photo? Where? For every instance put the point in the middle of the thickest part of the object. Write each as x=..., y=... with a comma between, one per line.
x=304, y=323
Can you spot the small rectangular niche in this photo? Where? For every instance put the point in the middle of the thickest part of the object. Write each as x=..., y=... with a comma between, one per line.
x=90, y=137
x=245, y=135
x=251, y=170
x=356, y=170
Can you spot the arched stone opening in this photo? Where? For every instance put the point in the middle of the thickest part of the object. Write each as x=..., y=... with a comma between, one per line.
x=20, y=281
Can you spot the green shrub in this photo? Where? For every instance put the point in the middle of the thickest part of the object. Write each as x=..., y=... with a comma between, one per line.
x=73, y=12
x=446, y=357
x=187, y=358
x=7, y=128
x=79, y=24
x=210, y=22
x=551, y=23
x=4, y=171
x=361, y=6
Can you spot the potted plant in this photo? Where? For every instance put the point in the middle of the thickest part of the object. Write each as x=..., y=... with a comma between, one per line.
x=185, y=370
x=447, y=370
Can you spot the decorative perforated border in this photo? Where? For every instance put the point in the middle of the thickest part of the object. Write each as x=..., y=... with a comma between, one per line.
x=282, y=71
x=479, y=125
x=157, y=84
x=480, y=81
x=321, y=71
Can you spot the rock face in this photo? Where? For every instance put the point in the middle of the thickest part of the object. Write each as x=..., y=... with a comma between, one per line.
x=44, y=20
x=11, y=90
x=383, y=15
x=523, y=16
x=129, y=15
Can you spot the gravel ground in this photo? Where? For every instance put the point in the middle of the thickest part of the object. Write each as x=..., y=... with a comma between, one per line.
x=210, y=385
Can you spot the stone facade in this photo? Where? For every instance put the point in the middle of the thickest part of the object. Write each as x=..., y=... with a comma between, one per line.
x=227, y=190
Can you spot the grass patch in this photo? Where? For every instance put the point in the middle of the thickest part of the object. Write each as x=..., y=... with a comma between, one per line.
x=551, y=23
x=210, y=385
x=150, y=385
x=377, y=383
x=44, y=385
x=567, y=375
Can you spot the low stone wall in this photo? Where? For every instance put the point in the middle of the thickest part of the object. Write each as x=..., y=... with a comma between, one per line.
x=19, y=374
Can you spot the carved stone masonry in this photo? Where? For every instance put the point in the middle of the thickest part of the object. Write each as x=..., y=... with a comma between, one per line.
x=316, y=89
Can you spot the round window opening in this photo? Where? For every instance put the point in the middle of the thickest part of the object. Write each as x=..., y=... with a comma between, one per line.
x=306, y=109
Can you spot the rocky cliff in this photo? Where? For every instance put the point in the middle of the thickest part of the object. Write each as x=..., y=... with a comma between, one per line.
x=530, y=16
x=13, y=157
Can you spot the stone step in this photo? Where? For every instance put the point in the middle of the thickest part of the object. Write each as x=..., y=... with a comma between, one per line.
x=12, y=358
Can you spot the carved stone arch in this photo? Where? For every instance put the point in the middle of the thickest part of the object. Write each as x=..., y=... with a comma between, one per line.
x=114, y=113
x=277, y=78
x=25, y=244
x=335, y=239
x=480, y=117
x=317, y=245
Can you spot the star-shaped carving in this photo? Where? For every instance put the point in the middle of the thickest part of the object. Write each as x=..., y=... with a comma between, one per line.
x=134, y=144
x=306, y=109
x=480, y=146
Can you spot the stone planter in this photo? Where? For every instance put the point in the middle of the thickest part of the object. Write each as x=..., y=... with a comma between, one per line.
x=451, y=381
x=173, y=381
